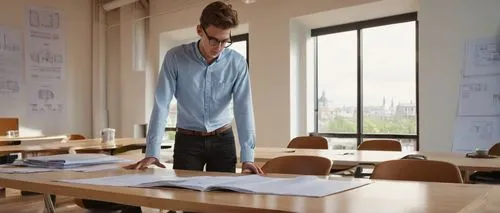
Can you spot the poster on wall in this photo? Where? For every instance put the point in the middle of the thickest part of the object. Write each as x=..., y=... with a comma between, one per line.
x=11, y=64
x=44, y=58
x=477, y=124
x=482, y=57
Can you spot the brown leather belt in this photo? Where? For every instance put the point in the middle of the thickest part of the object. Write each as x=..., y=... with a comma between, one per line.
x=200, y=133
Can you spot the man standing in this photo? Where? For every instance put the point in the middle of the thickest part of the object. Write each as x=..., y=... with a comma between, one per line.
x=204, y=77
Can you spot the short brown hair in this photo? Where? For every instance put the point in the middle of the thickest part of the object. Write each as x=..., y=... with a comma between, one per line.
x=220, y=15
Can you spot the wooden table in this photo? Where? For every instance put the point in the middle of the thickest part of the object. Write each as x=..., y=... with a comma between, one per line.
x=355, y=157
x=6, y=140
x=339, y=157
x=380, y=196
x=469, y=164
x=78, y=145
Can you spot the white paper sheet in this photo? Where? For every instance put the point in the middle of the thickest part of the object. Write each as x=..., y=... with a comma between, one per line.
x=70, y=161
x=11, y=64
x=46, y=98
x=482, y=56
x=477, y=123
x=476, y=132
x=124, y=180
x=45, y=61
x=44, y=44
x=480, y=96
x=21, y=170
x=95, y=168
x=309, y=186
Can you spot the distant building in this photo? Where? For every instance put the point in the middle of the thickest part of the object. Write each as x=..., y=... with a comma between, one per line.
x=406, y=110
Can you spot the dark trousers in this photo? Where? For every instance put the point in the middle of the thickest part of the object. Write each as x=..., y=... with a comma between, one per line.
x=217, y=153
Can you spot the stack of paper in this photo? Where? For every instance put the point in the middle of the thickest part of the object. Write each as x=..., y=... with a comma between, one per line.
x=309, y=186
x=10, y=169
x=66, y=161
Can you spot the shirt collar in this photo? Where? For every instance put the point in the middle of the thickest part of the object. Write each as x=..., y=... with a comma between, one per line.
x=200, y=56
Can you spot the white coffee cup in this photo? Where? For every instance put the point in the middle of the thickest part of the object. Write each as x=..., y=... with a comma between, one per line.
x=481, y=152
x=13, y=133
x=108, y=135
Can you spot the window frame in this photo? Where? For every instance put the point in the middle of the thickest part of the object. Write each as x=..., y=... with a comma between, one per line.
x=243, y=37
x=358, y=27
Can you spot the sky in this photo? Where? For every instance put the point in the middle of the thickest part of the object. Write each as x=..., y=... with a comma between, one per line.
x=388, y=60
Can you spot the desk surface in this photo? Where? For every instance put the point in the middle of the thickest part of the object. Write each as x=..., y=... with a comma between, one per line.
x=33, y=138
x=339, y=157
x=380, y=196
x=75, y=145
x=354, y=157
x=472, y=164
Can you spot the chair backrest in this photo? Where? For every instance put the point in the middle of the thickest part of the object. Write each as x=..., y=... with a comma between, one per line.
x=417, y=170
x=76, y=137
x=298, y=165
x=380, y=145
x=494, y=150
x=308, y=142
x=7, y=124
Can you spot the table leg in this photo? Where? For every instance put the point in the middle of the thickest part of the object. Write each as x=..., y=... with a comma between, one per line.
x=49, y=205
x=465, y=176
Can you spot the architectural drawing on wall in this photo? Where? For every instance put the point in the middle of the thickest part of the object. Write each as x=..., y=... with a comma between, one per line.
x=44, y=18
x=486, y=54
x=9, y=87
x=44, y=52
x=11, y=67
x=478, y=118
x=468, y=89
x=45, y=94
x=479, y=96
x=496, y=100
x=45, y=56
x=7, y=45
x=476, y=132
x=46, y=98
x=481, y=129
x=482, y=57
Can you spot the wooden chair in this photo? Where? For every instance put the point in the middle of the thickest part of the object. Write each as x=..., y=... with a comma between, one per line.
x=494, y=150
x=380, y=145
x=375, y=145
x=73, y=137
x=299, y=165
x=7, y=124
x=308, y=142
x=417, y=170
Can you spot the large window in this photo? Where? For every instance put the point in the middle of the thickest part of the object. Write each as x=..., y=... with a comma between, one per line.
x=366, y=82
x=240, y=44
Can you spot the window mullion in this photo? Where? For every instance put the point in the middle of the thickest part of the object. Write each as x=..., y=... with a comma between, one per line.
x=360, y=89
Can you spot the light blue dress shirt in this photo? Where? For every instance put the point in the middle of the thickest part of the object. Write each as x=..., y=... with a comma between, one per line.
x=203, y=94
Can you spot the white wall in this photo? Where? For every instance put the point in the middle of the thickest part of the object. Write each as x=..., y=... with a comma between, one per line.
x=444, y=27
x=278, y=62
x=113, y=71
x=77, y=31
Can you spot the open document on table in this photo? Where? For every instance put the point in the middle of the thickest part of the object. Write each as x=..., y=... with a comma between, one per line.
x=309, y=186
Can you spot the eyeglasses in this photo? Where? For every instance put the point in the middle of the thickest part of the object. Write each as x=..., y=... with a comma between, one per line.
x=214, y=42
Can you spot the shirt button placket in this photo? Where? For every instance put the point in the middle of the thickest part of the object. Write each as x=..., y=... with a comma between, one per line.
x=208, y=91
